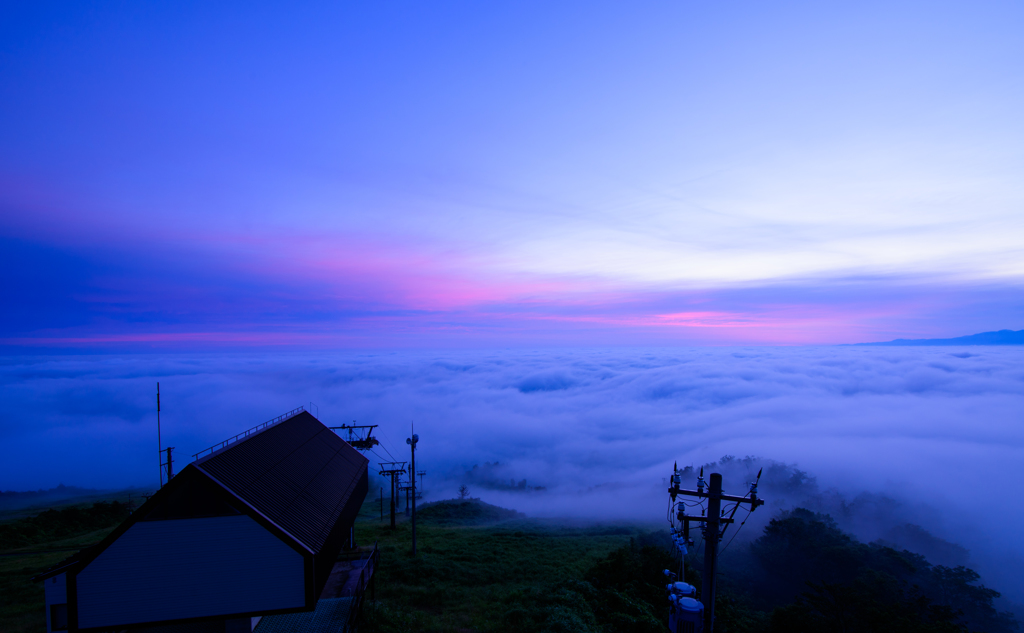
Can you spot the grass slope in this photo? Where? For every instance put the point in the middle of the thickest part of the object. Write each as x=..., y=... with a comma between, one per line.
x=72, y=525
x=484, y=569
x=474, y=575
x=464, y=512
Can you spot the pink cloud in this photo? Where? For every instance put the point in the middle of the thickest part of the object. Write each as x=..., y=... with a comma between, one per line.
x=178, y=284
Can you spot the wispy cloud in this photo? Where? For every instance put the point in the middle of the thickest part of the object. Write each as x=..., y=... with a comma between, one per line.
x=462, y=196
x=175, y=289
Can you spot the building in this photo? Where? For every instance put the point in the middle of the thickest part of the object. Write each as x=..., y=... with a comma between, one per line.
x=252, y=529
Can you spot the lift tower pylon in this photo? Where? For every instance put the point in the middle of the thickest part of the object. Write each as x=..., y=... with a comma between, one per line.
x=360, y=436
x=393, y=470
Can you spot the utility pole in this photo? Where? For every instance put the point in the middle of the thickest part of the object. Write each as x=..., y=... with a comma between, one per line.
x=169, y=464
x=711, y=538
x=412, y=441
x=393, y=470
x=159, y=441
x=712, y=529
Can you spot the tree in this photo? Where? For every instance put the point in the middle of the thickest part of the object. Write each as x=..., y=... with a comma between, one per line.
x=463, y=492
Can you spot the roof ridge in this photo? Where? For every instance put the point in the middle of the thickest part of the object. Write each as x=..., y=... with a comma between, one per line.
x=326, y=464
x=233, y=441
x=262, y=476
x=234, y=494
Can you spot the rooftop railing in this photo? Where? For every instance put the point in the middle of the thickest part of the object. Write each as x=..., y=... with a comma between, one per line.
x=244, y=434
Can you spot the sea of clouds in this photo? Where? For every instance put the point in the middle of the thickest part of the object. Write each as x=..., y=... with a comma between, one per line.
x=877, y=436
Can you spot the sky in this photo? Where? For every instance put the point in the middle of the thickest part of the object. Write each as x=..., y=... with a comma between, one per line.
x=581, y=239
x=402, y=175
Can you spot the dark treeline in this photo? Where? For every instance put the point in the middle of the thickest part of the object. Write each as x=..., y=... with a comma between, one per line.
x=53, y=525
x=803, y=575
x=497, y=476
x=14, y=500
x=833, y=582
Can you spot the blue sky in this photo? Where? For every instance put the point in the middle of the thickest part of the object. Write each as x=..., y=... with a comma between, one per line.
x=360, y=175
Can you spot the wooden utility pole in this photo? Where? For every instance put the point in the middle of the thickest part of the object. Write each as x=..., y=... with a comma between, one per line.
x=169, y=463
x=412, y=441
x=713, y=529
x=711, y=538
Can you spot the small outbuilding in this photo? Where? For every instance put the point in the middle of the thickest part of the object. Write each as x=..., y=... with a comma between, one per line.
x=251, y=529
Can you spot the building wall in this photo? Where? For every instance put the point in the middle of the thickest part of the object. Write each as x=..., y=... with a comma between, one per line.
x=56, y=594
x=188, y=568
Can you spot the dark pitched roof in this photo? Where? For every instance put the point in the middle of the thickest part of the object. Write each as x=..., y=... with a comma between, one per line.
x=296, y=474
x=290, y=473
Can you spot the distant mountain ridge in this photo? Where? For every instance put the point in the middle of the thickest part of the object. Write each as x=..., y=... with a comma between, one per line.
x=59, y=491
x=1002, y=337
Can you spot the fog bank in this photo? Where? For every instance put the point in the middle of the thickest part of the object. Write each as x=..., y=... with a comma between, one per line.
x=932, y=434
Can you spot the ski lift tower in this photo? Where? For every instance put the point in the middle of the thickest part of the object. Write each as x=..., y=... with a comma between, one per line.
x=360, y=437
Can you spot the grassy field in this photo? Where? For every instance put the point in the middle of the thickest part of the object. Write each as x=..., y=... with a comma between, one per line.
x=28, y=547
x=21, y=600
x=478, y=568
x=482, y=569
x=516, y=575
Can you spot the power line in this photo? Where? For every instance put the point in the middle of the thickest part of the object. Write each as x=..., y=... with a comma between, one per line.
x=386, y=450
x=379, y=458
x=385, y=435
x=736, y=533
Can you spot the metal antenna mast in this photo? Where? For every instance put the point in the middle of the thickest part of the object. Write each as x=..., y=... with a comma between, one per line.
x=159, y=441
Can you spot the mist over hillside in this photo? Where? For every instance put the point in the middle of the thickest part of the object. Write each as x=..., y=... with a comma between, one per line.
x=13, y=500
x=890, y=441
x=881, y=517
